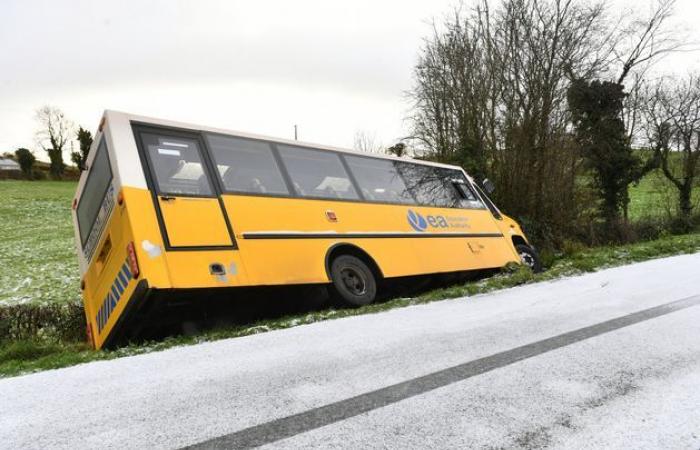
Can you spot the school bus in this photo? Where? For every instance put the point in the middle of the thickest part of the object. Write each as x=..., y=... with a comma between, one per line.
x=167, y=208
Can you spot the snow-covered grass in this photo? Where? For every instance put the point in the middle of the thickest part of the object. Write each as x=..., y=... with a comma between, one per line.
x=37, y=252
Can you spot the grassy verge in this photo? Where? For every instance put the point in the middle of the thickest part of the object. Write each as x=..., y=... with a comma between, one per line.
x=28, y=356
x=37, y=249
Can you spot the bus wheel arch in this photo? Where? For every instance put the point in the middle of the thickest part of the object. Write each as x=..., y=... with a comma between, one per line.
x=344, y=248
x=518, y=240
x=527, y=253
x=354, y=276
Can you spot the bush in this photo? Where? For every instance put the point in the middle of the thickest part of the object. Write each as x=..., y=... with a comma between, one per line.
x=52, y=321
x=26, y=160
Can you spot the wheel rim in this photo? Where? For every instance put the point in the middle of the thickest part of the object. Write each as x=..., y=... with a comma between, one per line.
x=353, y=281
x=527, y=259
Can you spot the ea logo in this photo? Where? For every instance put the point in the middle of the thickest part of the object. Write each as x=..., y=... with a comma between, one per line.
x=417, y=221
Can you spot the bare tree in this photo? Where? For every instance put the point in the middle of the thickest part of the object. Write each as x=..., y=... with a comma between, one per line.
x=55, y=131
x=490, y=95
x=644, y=40
x=363, y=141
x=672, y=113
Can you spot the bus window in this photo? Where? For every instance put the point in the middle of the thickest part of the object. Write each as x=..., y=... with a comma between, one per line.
x=468, y=198
x=177, y=165
x=317, y=173
x=99, y=179
x=438, y=186
x=379, y=180
x=427, y=185
x=246, y=165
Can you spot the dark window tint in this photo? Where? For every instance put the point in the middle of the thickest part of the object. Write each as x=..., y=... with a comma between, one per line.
x=438, y=186
x=177, y=165
x=246, y=165
x=379, y=180
x=316, y=173
x=98, y=181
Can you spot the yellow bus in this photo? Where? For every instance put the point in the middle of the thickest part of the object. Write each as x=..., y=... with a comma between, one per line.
x=167, y=208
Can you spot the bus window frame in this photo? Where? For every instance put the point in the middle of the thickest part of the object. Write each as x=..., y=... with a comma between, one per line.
x=205, y=168
x=491, y=206
x=275, y=155
x=360, y=198
x=154, y=128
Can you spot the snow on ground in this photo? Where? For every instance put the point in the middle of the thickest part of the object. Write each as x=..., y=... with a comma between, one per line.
x=635, y=386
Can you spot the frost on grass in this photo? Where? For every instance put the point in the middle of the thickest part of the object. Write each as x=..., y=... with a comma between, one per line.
x=37, y=252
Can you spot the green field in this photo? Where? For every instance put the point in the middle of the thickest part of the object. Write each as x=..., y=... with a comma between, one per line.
x=37, y=250
x=655, y=197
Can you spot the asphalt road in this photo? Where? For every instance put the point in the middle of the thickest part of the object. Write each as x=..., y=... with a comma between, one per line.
x=605, y=360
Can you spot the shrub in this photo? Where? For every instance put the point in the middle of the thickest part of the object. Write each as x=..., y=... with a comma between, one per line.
x=26, y=160
x=30, y=321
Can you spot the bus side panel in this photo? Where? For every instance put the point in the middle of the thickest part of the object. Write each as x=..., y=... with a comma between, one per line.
x=280, y=261
x=302, y=260
x=193, y=268
x=437, y=255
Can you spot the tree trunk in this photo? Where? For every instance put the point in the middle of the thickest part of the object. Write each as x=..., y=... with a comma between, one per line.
x=684, y=203
x=57, y=166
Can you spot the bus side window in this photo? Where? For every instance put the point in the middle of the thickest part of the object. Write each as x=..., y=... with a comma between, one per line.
x=428, y=185
x=317, y=173
x=246, y=165
x=435, y=186
x=466, y=194
x=379, y=180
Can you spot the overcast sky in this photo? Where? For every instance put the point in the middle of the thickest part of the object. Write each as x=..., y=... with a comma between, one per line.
x=331, y=67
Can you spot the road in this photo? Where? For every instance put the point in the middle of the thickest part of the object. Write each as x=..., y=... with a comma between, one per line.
x=605, y=360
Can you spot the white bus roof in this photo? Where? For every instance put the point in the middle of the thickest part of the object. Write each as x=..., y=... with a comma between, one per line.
x=196, y=127
x=126, y=165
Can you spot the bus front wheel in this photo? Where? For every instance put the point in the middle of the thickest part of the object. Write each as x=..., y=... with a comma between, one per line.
x=529, y=257
x=353, y=282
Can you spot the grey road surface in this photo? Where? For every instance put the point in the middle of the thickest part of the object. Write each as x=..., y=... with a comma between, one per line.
x=605, y=360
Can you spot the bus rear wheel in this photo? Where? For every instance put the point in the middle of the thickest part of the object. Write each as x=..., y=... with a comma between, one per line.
x=353, y=282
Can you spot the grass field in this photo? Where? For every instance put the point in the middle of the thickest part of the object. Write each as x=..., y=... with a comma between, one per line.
x=37, y=251
x=655, y=197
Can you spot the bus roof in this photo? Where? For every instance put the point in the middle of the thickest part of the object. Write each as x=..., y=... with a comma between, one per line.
x=196, y=127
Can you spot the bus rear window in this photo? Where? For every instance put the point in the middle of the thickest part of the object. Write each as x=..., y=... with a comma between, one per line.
x=98, y=181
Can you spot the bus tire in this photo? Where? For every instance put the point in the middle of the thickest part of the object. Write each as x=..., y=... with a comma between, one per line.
x=529, y=257
x=353, y=282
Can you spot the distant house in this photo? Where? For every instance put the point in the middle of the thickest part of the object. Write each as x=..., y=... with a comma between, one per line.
x=7, y=164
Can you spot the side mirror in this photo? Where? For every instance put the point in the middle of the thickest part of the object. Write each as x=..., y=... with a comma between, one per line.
x=488, y=186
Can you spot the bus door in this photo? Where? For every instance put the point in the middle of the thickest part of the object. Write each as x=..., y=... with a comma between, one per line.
x=186, y=193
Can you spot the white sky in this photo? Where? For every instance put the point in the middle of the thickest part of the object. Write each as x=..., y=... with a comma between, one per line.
x=331, y=67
